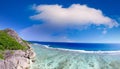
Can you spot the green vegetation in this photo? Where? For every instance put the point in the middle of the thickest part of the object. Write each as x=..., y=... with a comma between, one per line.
x=9, y=43
x=1, y=56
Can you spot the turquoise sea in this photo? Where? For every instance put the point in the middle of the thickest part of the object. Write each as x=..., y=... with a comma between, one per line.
x=51, y=56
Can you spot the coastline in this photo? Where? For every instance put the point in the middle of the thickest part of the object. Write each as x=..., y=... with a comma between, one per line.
x=79, y=51
x=50, y=58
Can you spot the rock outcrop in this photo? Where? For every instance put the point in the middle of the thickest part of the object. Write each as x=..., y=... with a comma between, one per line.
x=17, y=59
x=14, y=35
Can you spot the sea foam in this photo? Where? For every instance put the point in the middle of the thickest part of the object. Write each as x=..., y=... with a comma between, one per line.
x=80, y=51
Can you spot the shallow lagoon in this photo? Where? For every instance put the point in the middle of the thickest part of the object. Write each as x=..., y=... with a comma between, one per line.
x=52, y=58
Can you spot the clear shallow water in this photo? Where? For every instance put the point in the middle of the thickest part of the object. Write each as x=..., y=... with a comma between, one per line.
x=52, y=58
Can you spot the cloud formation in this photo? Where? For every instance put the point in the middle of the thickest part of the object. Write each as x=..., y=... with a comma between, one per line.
x=75, y=14
x=67, y=24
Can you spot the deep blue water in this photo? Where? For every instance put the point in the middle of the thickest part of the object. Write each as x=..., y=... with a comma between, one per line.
x=83, y=46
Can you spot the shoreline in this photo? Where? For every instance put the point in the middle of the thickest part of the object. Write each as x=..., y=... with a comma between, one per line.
x=50, y=58
x=79, y=51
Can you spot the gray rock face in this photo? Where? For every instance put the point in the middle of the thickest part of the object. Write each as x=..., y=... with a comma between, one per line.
x=14, y=35
x=17, y=59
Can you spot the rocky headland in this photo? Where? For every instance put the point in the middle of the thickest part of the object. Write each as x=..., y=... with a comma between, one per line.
x=15, y=57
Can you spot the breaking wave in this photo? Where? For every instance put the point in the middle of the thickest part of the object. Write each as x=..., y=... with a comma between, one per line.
x=79, y=51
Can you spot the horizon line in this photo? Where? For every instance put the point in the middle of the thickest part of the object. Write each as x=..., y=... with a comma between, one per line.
x=76, y=42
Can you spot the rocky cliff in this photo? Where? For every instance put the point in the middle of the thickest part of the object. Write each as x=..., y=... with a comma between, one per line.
x=14, y=58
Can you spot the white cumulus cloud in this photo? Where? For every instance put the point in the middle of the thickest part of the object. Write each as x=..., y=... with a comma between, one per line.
x=75, y=14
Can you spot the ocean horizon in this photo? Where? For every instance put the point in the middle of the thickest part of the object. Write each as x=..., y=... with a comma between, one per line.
x=81, y=46
x=58, y=55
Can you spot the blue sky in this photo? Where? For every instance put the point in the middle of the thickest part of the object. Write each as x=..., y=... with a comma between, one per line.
x=63, y=20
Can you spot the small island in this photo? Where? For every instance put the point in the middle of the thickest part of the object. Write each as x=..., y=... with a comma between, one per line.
x=15, y=53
